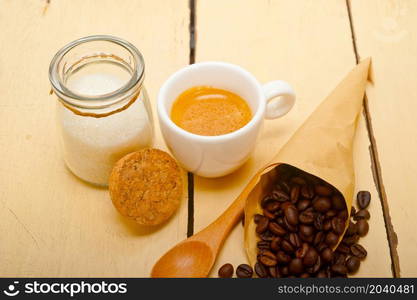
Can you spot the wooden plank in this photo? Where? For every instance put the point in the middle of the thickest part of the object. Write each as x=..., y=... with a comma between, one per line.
x=51, y=223
x=385, y=30
x=308, y=44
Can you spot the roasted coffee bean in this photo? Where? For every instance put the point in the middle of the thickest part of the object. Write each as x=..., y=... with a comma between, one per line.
x=284, y=271
x=307, y=192
x=306, y=230
x=338, y=202
x=323, y=190
x=311, y=257
x=268, y=214
x=321, y=274
x=339, y=258
x=276, y=229
x=267, y=258
x=362, y=214
x=303, y=204
x=350, y=240
x=331, y=239
x=283, y=258
x=363, y=198
x=284, y=186
x=327, y=255
x=316, y=267
x=338, y=225
x=343, y=248
x=307, y=238
x=358, y=251
x=262, y=225
x=292, y=228
x=295, y=193
x=327, y=225
x=363, y=227
x=352, y=211
x=272, y=206
x=275, y=243
x=295, y=239
x=330, y=214
x=265, y=200
x=257, y=218
x=307, y=217
x=318, y=238
x=291, y=214
x=261, y=270
x=298, y=180
x=244, y=271
x=322, y=204
x=280, y=221
x=320, y=247
x=339, y=269
x=287, y=247
x=352, y=229
x=343, y=214
x=353, y=264
x=318, y=222
x=266, y=236
x=263, y=245
x=274, y=272
x=226, y=271
x=280, y=195
x=302, y=251
x=296, y=266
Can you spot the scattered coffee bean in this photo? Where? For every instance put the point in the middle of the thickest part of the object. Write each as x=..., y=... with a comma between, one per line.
x=287, y=247
x=363, y=198
x=283, y=258
x=274, y=245
x=280, y=196
x=342, y=248
x=363, y=227
x=358, y=251
x=226, y=271
x=302, y=251
x=352, y=229
x=307, y=192
x=353, y=264
x=331, y=239
x=268, y=214
x=295, y=240
x=303, y=204
x=260, y=270
x=362, y=214
x=244, y=271
x=295, y=193
x=307, y=217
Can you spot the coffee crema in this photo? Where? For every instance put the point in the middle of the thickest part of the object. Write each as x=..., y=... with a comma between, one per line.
x=210, y=111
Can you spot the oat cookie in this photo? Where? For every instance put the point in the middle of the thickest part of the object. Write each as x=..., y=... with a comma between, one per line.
x=146, y=186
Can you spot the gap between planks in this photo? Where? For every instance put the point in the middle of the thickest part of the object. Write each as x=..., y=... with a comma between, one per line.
x=190, y=176
x=376, y=166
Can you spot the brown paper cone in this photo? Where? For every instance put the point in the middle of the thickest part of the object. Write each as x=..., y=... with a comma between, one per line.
x=322, y=146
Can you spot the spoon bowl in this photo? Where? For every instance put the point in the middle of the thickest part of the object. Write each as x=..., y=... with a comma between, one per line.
x=187, y=259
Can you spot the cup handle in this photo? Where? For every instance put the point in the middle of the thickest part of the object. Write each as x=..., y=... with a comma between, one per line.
x=279, y=97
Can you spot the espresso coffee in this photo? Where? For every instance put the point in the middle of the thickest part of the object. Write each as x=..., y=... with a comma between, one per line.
x=209, y=111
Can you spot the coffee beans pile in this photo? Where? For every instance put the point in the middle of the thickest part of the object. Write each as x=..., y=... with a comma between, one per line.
x=302, y=220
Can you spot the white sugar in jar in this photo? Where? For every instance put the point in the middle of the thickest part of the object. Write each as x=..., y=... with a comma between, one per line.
x=103, y=110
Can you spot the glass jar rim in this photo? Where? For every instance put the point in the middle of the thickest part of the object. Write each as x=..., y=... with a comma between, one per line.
x=97, y=101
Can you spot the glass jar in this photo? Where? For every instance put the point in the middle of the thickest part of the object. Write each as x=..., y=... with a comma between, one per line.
x=103, y=110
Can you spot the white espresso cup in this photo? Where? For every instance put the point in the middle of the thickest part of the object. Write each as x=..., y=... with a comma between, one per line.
x=214, y=156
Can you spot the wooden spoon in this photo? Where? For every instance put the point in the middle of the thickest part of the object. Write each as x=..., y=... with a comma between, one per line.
x=195, y=256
